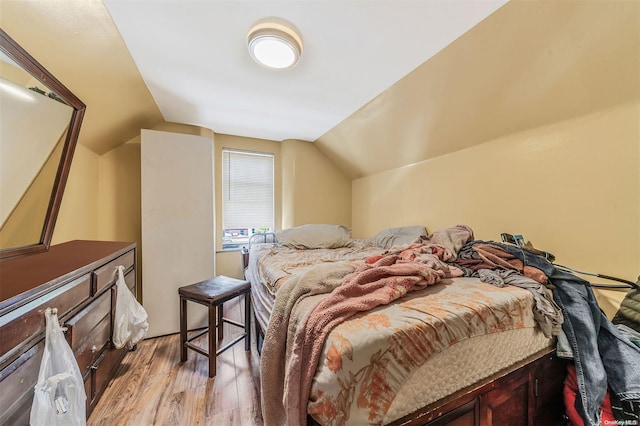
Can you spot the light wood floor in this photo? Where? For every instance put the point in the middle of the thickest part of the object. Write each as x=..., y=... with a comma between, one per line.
x=154, y=388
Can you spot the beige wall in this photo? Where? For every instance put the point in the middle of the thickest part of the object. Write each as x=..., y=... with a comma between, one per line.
x=78, y=217
x=119, y=184
x=571, y=188
x=119, y=210
x=314, y=190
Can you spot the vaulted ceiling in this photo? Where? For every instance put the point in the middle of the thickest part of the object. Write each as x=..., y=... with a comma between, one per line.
x=135, y=63
x=194, y=59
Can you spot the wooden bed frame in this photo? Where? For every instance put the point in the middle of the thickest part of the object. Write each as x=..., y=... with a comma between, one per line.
x=528, y=393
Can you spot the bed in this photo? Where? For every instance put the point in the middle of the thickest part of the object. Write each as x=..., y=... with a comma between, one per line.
x=457, y=350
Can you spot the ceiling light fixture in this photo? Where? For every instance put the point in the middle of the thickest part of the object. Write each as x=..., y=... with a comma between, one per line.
x=274, y=43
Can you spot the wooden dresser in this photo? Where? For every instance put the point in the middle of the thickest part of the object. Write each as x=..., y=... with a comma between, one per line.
x=78, y=278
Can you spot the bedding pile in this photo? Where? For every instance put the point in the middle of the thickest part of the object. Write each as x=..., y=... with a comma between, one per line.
x=323, y=311
x=378, y=281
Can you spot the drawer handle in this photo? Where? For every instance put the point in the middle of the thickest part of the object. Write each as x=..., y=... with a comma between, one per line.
x=64, y=327
x=96, y=364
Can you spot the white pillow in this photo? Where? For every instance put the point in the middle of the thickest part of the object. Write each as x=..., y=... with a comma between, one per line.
x=403, y=235
x=315, y=236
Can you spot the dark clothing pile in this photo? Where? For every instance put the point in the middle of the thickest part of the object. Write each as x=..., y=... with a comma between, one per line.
x=604, y=358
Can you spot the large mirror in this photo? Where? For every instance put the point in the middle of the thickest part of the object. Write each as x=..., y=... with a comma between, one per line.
x=39, y=126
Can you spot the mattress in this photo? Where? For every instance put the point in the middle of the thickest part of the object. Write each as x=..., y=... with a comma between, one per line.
x=462, y=365
x=383, y=364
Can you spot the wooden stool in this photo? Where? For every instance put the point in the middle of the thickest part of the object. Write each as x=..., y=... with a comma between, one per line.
x=213, y=293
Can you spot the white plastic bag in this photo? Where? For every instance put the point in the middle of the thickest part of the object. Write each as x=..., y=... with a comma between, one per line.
x=59, y=398
x=130, y=319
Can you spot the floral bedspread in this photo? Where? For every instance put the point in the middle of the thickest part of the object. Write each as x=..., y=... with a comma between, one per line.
x=359, y=385
x=283, y=262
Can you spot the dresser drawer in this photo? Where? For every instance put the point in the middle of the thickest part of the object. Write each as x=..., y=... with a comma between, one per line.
x=79, y=326
x=16, y=385
x=28, y=320
x=101, y=370
x=93, y=344
x=107, y=274
x=98, y=373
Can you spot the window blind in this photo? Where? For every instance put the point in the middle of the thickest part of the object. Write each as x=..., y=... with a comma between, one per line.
x=247, y=189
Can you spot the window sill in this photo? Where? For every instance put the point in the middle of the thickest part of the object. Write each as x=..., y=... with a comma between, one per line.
x=228, y=250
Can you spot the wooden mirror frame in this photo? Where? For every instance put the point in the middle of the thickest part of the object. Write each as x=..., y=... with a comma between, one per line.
x=33, y=67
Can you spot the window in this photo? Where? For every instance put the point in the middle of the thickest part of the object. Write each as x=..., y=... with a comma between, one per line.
x=247, y=196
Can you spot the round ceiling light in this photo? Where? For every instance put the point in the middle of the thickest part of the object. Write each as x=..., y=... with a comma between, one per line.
x=274, y=43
